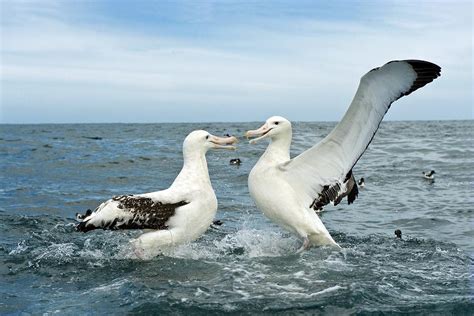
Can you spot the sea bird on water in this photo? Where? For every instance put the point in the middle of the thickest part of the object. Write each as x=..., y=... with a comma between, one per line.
x=398, y=233
x=179, y=214
x=429, y=174
x=235, y=161
x=288, y=191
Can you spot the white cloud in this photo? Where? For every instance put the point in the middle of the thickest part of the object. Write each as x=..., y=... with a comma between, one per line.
x=302, y=68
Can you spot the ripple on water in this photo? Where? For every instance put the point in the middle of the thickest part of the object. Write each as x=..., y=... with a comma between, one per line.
x=247, y=265
x=247, y=268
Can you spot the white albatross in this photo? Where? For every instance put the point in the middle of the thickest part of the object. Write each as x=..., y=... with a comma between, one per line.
x=288, y=191
x=179, y=214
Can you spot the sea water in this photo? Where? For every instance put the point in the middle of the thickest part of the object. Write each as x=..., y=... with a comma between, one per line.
x=247, y=265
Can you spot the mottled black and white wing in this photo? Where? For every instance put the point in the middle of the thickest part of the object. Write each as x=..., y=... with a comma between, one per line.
x=129, y=212
x=323, y=173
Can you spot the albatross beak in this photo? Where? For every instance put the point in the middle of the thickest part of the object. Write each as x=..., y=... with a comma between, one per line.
x=223, y=142
x=260, y=133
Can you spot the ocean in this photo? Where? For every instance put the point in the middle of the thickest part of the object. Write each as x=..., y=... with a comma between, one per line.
x=248, y=265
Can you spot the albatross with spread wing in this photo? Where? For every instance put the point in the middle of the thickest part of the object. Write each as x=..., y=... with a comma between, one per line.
x=288, y=191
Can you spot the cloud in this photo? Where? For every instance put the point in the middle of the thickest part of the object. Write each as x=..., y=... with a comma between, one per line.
x=304, y=67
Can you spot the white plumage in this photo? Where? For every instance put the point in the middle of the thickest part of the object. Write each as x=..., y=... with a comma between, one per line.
x=179, y=214
x=289, y=190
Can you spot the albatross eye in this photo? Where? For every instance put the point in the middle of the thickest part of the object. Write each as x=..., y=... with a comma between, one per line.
x=276, y=123
x=207, y=137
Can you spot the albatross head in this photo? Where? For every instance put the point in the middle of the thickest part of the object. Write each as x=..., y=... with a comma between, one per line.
x=275, y=127
x=203, y=141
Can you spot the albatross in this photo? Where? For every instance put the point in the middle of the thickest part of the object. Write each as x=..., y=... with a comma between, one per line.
x=289, y=191
x=179, y=214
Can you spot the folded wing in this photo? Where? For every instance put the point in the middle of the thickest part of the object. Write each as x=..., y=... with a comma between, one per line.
x=323, y=173
x=129, y=212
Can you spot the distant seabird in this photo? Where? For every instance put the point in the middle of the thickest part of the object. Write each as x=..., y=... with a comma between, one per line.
x=217, y=222
x=179, y=214
x=429, y=174
x=235, y=161
x=361, y=183
x=289, y=190
x=398, y=233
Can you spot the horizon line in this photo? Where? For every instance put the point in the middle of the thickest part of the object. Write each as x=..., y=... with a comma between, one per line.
x=219, y=122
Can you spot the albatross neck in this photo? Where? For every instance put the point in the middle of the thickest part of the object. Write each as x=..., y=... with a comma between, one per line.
x=279, y=148
x=194, y=169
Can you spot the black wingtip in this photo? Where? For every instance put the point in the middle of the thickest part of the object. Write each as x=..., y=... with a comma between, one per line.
x=353, y=194
x=426, y=72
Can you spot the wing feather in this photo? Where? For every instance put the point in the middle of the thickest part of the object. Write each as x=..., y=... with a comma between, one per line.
x=320, y=173
x=129, y=212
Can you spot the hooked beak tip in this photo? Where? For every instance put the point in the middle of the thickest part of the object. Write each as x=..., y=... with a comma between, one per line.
x=259, y=134
x=225, y=142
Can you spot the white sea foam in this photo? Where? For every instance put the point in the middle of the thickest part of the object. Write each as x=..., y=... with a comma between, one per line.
x=115, y=285
x=258, y=243
x=20, y=248
x=328, y=290
x=200, y=292
x=55, y=251
x=251, y=242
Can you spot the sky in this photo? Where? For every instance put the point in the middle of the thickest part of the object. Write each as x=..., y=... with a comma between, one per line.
x=94, y=61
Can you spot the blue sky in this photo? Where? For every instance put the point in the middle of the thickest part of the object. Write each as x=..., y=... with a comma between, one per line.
x=190, y=61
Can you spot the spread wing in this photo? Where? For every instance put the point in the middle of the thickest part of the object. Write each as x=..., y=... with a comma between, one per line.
x=323, y=173
x=129, y=212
